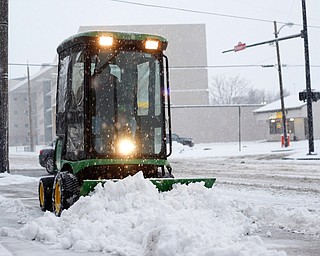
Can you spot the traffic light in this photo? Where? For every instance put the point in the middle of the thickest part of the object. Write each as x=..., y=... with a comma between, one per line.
x=315, y=96
x=303, y=96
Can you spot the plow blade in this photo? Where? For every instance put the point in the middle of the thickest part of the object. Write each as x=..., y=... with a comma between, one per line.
x=161, y=184
x=167, y=184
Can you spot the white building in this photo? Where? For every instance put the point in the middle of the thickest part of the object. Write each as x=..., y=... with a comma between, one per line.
x=42, y=88
x=296, y=115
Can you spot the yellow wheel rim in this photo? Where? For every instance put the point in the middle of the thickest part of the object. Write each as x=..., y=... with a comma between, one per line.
x=57, y=198
x=41, y=194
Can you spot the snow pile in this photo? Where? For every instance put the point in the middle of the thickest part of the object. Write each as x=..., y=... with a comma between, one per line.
x=13, y=206
x=130, y=217
x=298, y=220
x=8, y=179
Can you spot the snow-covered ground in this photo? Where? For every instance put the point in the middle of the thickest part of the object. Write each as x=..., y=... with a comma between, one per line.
x=261, y=204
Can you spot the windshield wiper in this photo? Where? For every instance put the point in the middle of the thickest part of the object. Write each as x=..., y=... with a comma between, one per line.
x=96, y=71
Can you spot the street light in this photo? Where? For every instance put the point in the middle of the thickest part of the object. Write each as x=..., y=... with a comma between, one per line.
x=284, y=120
x=289, y=24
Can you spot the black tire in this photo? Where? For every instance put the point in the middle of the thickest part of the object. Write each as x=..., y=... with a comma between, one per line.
x=50, y=166
x=45, y=193
x=66, y=192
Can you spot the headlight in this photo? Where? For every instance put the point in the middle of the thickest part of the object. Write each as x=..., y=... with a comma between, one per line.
x=152, y=44
x=106, y=40
x=126, y=147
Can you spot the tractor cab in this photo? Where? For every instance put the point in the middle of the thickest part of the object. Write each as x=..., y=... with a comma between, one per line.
x=111, y=104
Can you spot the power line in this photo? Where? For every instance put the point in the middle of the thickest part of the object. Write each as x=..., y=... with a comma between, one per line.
x=240, y=66
x=204, y=12
x=33, y=65
x=215, y=66
x=186, y=67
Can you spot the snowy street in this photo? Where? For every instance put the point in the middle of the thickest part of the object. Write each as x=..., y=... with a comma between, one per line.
x=267, y=180
x=260, y=205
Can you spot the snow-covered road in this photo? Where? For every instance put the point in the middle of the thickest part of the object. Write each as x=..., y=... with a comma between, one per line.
x=267, y=176
x=292, y=187
x=260, y=204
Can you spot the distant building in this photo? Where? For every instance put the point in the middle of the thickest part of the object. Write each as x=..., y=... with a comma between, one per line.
x=218, y=123
x=296, y=115
x=18, y=114
x=42, y=88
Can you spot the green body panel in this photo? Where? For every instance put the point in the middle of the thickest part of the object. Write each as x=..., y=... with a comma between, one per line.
x=162, y=184
x=167, y=183
x=58, y=150
x=79, y=165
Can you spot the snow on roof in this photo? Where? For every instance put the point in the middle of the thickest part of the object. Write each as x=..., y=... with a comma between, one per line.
x=43, y=69
x=290, y=102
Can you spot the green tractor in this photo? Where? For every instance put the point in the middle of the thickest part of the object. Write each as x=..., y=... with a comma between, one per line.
x=112, y=115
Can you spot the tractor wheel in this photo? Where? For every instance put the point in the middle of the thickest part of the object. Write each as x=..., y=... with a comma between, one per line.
x=50, y=166
x=45, y=193
x=66, y=191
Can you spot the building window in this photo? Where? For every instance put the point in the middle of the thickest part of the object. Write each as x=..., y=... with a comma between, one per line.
x=275, y=126
x=290, y=125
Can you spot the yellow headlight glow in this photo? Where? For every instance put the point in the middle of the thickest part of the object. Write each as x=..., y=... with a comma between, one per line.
x=152, y=44
x=106, y=40
x=126, y=147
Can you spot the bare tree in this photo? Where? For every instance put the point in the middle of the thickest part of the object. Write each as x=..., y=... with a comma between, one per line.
x=236, y=90
x=256, y=96
x=228, y=91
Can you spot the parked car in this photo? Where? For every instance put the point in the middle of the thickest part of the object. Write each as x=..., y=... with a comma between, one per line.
x=46, y=158
x=182, y=140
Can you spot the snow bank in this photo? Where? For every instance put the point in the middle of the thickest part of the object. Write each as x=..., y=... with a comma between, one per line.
x=13, y=207
x=130, y=217
x=297, y=149
x=298, y=220
x=8, y=179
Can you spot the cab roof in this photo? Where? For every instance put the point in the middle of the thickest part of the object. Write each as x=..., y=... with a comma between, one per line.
x=92, y=36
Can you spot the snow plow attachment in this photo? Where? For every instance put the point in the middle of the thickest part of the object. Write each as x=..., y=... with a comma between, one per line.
x=162, y=185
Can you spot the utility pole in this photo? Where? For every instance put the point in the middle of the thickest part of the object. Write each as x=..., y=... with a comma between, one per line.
x=30, y=112
x=309, y=93
x=239, y=109
x=284, y=119
x=4, y=149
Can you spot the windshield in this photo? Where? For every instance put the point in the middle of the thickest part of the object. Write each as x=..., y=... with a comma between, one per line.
x=126, y=102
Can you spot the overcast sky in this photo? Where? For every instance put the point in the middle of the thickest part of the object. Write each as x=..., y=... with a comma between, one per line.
x=36, y=27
